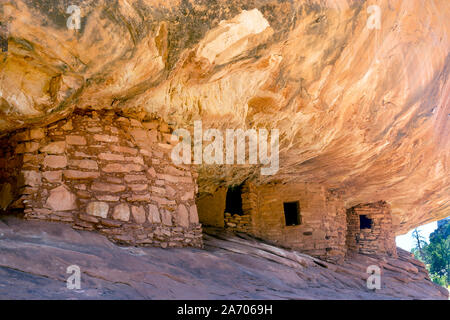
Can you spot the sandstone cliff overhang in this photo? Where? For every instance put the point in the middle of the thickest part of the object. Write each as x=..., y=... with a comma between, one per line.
x=36, y=254
x=363, y=111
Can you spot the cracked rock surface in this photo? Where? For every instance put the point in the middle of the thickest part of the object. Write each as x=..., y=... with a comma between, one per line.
x=34, y=257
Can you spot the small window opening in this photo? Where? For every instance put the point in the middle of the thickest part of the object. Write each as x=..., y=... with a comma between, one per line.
x=233, y=203
x=292, y=213
x=365, y=222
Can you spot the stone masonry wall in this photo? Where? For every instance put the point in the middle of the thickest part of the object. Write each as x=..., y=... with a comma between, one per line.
x=211, y=207
x=238, y=223
x=103, y=172
x=379, y=239
x=323, y=228
x=327, y=230
x=323, y=220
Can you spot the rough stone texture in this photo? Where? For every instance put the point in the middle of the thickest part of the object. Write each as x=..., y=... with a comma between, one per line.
x=323, y=225
x=61, y=199
x=55, y=162
x=98, y=209
x=54, y=147
x=238, y=223
x=193, y=214
x=379, y=239
x=361, y=110
x=52, y=176
x=121, y=212
x=234, y=267
x=363, y=118
x=154, y=216
x=108, y=185
x=75, y=140
x=182, y=216
x=31, y=178
x=138, y=214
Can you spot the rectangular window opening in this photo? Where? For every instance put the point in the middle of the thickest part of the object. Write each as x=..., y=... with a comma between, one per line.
x=292, y=213
x=365, y=222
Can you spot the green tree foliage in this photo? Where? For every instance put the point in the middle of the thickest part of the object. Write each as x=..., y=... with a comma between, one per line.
x=420, y=244
x=436, y=254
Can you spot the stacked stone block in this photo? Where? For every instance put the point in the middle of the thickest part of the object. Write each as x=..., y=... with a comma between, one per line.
x=104, y=172
x=379, y=239
x=335, y=225
x=323, y=228
x=238, y=223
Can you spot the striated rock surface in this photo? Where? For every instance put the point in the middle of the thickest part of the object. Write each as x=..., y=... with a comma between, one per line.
x=35, y=255
x=364, y=111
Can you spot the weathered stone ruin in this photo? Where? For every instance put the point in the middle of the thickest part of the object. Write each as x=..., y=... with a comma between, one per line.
x=105, y=172
x=305, y=217
x=369, y=229
x=361, y=113
x=99, y=171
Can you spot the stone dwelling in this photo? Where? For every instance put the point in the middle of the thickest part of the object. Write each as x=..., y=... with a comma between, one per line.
x=100, y=171
x=302, y=216
x=356, y=107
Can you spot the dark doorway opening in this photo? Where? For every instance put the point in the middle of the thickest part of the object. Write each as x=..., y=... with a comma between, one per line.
x=292, y=213
x=365, y=222
x=233, y=203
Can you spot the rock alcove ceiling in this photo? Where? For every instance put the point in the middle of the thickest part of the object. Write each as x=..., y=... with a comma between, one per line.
x=363, y=111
